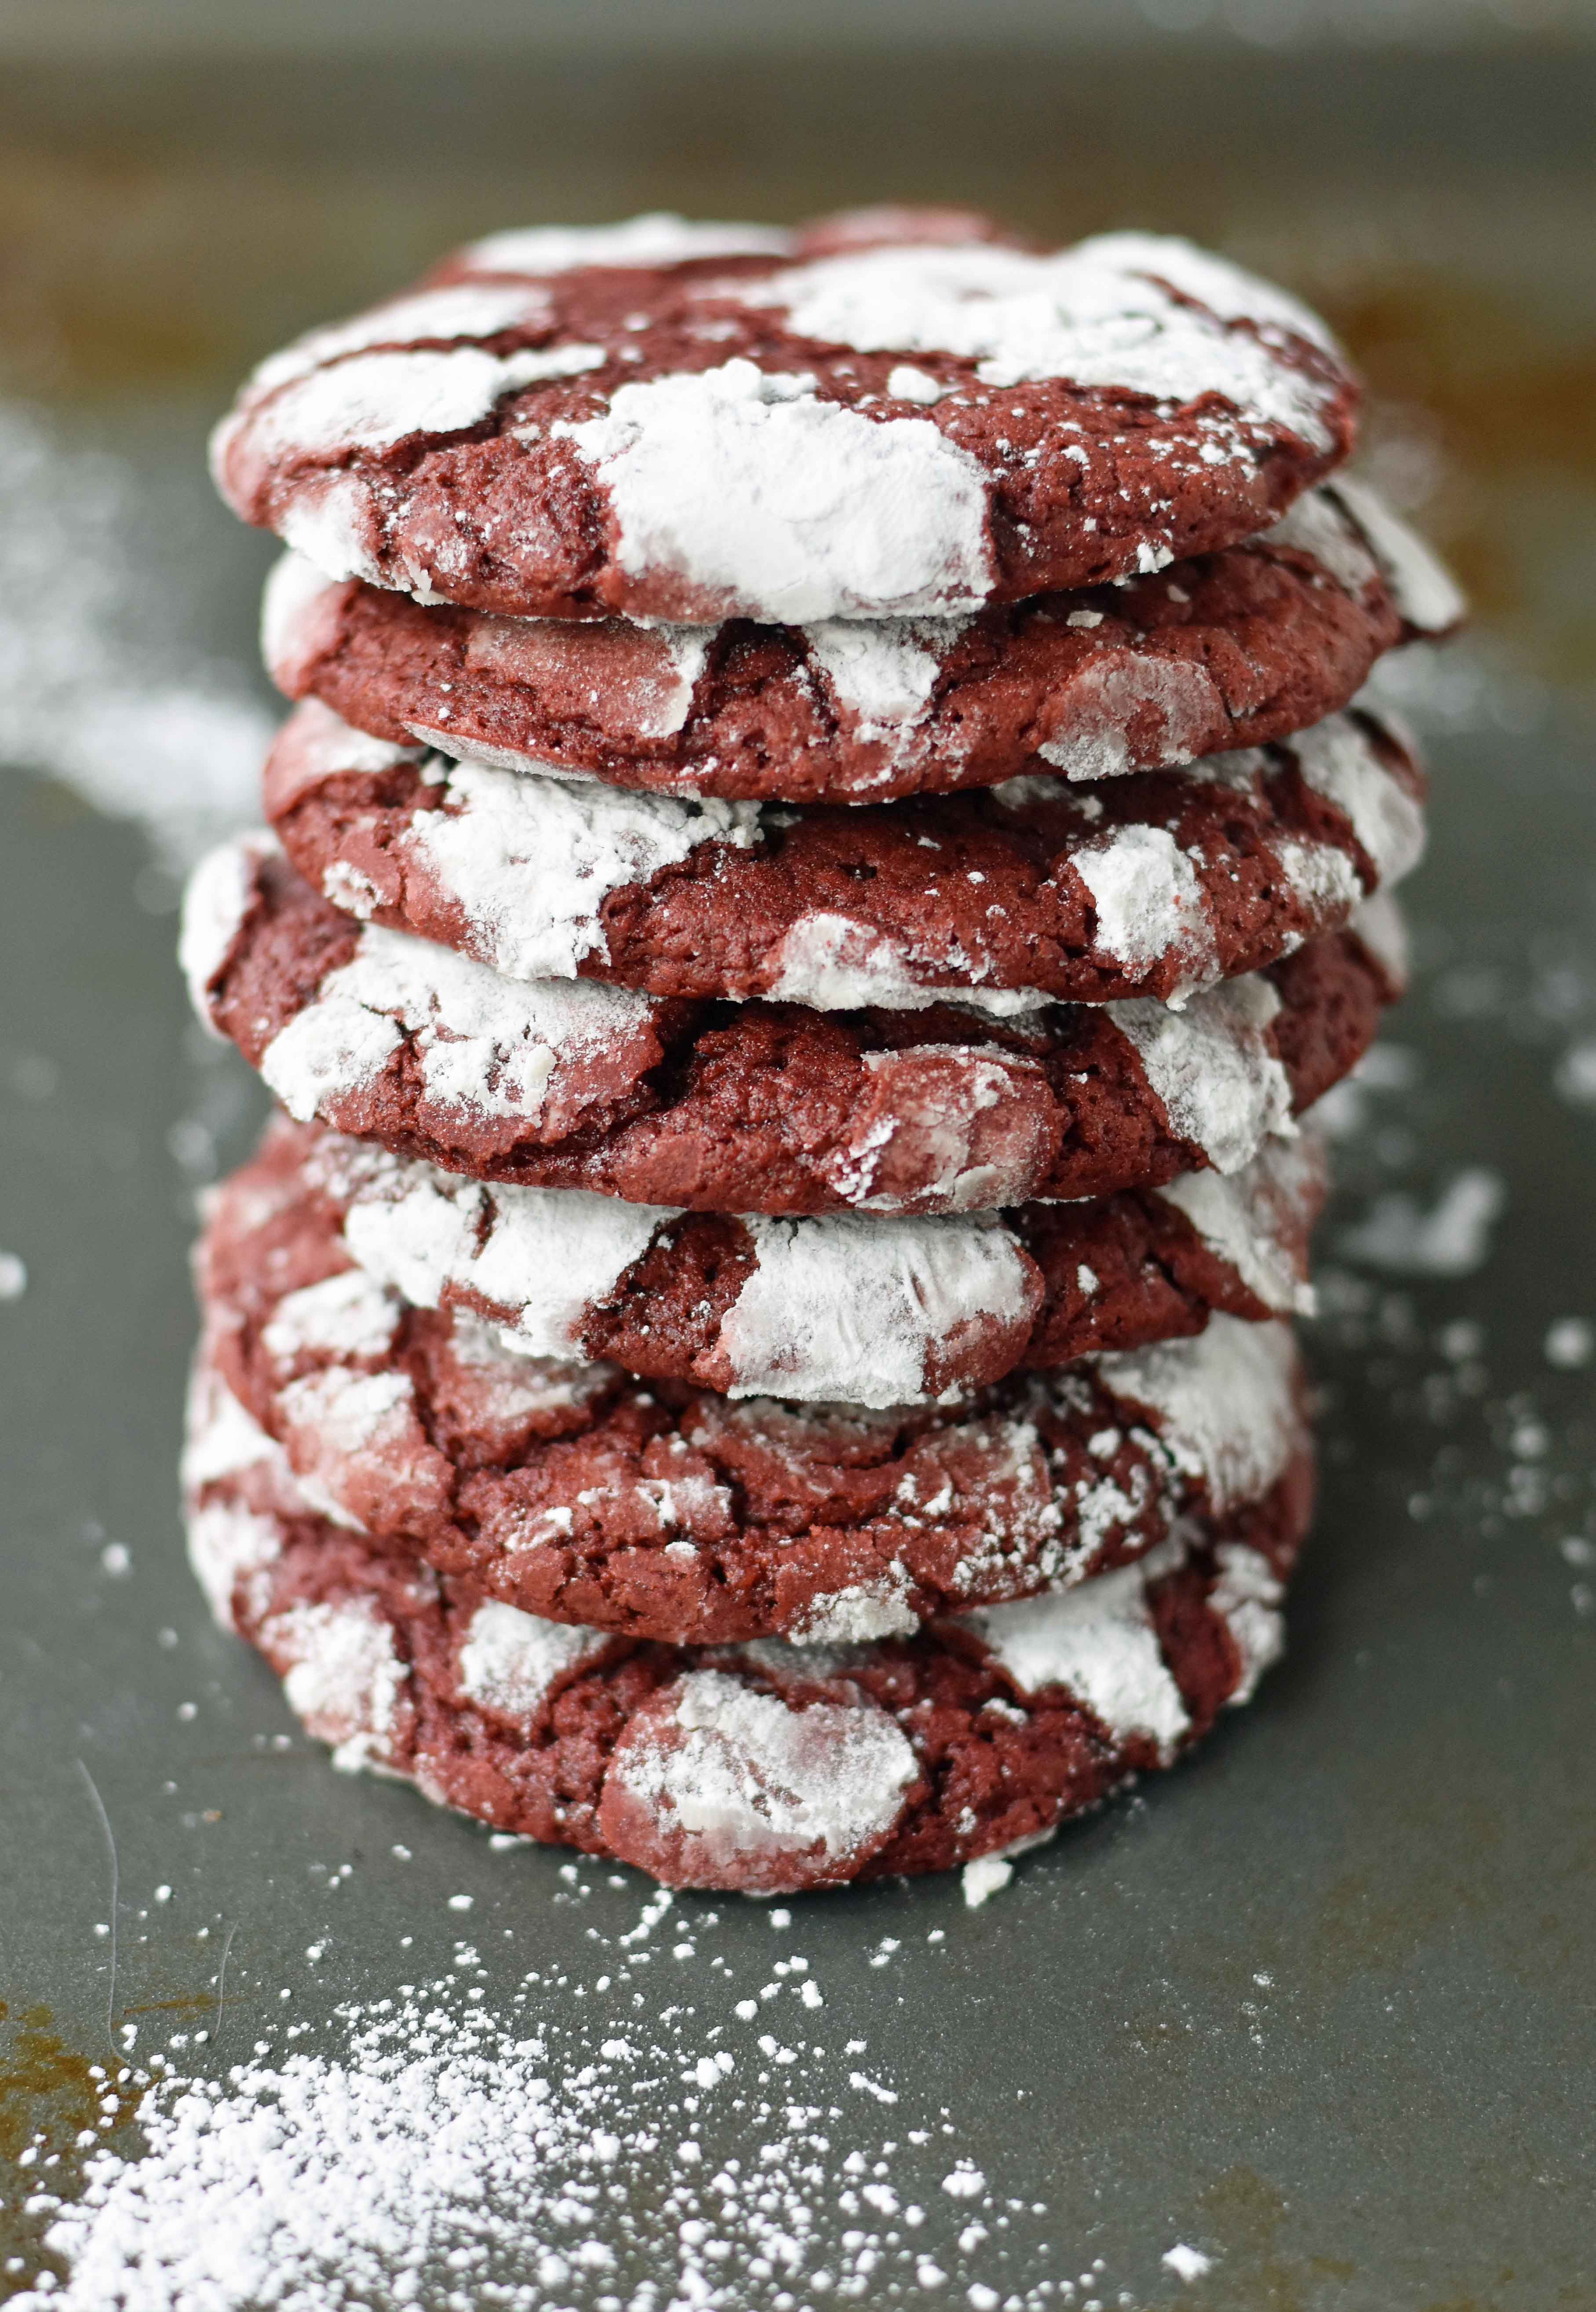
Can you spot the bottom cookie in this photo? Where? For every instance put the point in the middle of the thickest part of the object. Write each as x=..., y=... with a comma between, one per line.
x=768, y=1767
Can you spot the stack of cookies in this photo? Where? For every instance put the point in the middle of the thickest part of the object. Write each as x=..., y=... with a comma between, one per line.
x=825, y=856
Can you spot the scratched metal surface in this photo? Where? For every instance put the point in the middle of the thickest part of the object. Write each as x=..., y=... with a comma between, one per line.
x=1318, y=2003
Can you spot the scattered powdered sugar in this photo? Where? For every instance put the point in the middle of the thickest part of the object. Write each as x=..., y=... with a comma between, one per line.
x=765, y=501
x=738, y=1773
x=1223, y=1404
x=98, y=686
x=1098, y=1640
x=510, y=1659
x=854, y=1309
x=1187, y=2263
x=1150, y=905
x=1452, y=1239
x=1212, y=1067
x=532, y=860
x=1097, y=314
x=659, y=237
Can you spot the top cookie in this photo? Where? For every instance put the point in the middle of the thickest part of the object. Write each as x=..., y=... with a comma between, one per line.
x=697, y=423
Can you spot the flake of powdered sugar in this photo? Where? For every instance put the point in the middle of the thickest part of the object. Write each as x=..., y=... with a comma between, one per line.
x=485, y=1044
x=531, y=861
x=1150, y=906
x=769, y=502
x=744, y=1772
x=1097, y=1641
x=1223, y=1404
x=659, y=237
x=1097, y=314
x=1212, y=1066
x=510, y=1660
x=1099, y=705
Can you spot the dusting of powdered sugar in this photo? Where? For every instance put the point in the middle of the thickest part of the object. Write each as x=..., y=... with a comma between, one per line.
x=1223, y=1404
x=1098, y=704
x=855, y=1309
x=1246, y=1596
x=509, y=1662
x=531, y=861
x=657, y=238
x=488, y=1045
x=468, y=310
x=742, y=1774
x=863, y=1610
x=1213, y=1068
x=1098, y=1641
x=343, y=1677
x=765, y=501
x=220, y=894
x=831, y=963
x=1257, y=1219
x=882, y=671
x=1423, y=589
x=1339, y=761
x=107, y=572
x=1319, y=525
x=1151, y=907
x=1097, y=315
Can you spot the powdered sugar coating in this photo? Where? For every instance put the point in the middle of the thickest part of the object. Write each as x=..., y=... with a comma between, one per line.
x=1223, y=1404
x=1336, y=760
x=463, y=311
x=743, y=1780
x=1149, y=902
x=1425, y=593
x=511, y=1661
x=485, y=1043
x=1221, y=1086
x=833, y=963
x=345, y=1677
x=764, y=502
x=218, y=897
x=1099, y=1641
x=1248, y=1597
x=659, y=237
x=1251, y=1218
x=1097, y=314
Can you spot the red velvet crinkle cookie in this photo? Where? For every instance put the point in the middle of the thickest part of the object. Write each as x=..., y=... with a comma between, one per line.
x=758, y=1107
x=766, y=1767
x=1230, y=650
x=875, y=1310
x=569, y=1489
x=1024, y=893
x=690, y=422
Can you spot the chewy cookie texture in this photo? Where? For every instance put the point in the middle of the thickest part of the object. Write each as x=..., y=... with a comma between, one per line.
x=831, y=841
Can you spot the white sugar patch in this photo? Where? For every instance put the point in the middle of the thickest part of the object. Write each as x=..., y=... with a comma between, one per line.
x=532, y=860
x=831, y=963
x=1150, y=906
x=218, y=897
x=221, y=1439
x=1318, y=525
x=854, y=1309
x=372, y=400
x=545, y=1257
x=1255, y=1218
x=660, y=237
x=345, y=1316
x=1338, y=762
x=103, y=681
x=485, y=1044
x=863, y=1611
x=1095, y=314
x=883, y=670
x=746, y=1773
x=764, y=500
x=345, y=1679
x=511, y=1661
x=468, y=309
x=1098, y=703
x=225, y=1542
x=1098, y=1642
x=1223, y=1404
x=1422, y=587
x=1248, y=1597
x=292, y=604
x=1212, y=1066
